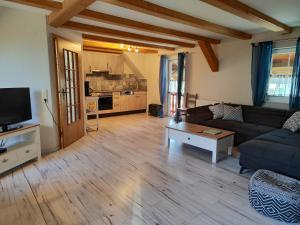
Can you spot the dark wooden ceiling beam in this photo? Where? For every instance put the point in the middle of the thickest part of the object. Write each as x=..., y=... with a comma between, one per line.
x=165, y=13
x=210, y=55
x=246, y=12
x=117, y=33
x=98, y=49
x=122, y=41
x=70, y=8
x=115, y=20
x=115, y=51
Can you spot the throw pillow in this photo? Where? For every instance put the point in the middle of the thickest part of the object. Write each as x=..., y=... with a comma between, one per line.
x=217, y=110
x=293, y=123
x=233, y=113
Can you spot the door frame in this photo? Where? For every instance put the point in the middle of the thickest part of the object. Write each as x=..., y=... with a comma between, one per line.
x=57, y=85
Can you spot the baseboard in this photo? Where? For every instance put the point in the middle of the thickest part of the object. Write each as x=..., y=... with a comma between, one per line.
x=117, y=114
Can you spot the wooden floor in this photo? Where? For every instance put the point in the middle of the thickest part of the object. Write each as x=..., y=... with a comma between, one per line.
x=123, y=175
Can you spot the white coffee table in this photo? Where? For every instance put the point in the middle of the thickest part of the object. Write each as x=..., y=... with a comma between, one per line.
x=192, y=134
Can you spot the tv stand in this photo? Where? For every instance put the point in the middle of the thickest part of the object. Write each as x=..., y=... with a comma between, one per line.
x=22, y=144
x=6, y=128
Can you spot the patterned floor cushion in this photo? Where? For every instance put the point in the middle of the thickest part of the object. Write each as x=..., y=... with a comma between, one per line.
x=275, y=196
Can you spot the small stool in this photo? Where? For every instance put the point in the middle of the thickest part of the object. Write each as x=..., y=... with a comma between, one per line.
x=276, y=196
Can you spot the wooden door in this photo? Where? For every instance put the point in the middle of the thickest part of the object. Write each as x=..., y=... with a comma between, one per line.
x=69, y=91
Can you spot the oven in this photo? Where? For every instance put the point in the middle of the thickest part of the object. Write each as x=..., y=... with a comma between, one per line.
x=105, y=101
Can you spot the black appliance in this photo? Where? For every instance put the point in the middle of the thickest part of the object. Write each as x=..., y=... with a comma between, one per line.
x=15, y=106
x=87, y=90
x=105, y=101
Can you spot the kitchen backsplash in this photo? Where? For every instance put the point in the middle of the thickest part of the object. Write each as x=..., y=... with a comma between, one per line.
x=102, y=81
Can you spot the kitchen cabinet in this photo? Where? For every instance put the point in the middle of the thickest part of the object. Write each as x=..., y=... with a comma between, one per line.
x=137, y=101
x=115, y=64
x=116, y=102
x=141, y=100
x=123, y=103
x=132, y=102
x=103, y=62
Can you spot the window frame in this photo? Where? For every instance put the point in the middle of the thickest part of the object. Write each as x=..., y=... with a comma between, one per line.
x=273, y=98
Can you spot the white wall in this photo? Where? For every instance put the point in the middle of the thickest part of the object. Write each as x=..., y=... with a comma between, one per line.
x=233, y=81
x=148, y=66
x=24, y=62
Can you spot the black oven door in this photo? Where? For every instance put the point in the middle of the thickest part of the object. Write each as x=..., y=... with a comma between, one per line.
x=105, y=102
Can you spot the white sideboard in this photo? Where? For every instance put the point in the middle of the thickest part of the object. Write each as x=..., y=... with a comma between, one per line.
x=22, y=145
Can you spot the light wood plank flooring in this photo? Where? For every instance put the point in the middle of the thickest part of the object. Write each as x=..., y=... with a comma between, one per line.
x=124, y=175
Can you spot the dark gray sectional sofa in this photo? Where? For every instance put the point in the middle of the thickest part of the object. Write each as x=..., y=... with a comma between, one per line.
x=262, y=142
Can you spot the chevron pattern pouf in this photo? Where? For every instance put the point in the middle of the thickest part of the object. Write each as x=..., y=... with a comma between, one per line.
x=276, y=196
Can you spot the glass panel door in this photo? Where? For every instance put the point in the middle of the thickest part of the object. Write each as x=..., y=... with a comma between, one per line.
x=71, y=87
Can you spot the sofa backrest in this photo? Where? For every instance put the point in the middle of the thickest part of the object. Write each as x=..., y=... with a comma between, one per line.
x=264, y=116
x=251, y=114
x=198, y=114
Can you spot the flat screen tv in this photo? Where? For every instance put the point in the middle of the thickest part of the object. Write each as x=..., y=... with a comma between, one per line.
x=15, y=106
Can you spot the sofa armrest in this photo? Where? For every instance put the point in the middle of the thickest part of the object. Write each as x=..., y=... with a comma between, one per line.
x=198, y=114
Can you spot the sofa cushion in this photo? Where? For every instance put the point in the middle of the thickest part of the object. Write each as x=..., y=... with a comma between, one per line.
x=282, y=136
x=293, y=123
x=264, y=116
x=217, y=110
x=233, y=113
x=199, y=114
x=262, y=154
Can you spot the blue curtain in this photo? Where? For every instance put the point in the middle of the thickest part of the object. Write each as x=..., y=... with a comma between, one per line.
x=181, y=60
x=260, y=71
x=163, y=69
x=295, y=89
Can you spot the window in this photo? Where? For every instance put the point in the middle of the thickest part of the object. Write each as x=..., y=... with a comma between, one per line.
x=281, y=72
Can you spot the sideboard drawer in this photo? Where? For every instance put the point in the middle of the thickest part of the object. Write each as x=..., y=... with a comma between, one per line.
x=26, y=153
x=8, y=159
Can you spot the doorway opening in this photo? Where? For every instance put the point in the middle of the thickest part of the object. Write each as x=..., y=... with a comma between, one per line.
x=173, y=87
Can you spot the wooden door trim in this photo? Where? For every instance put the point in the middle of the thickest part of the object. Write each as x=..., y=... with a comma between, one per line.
x=66, y=39
x=55, y=39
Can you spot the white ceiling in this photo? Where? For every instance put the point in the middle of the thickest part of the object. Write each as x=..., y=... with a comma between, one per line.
x=286, y=11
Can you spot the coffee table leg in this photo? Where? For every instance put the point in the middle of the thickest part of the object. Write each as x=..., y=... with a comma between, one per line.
x=229, y=150
x=214, y=156
x=167, y=141
x=231, y=138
